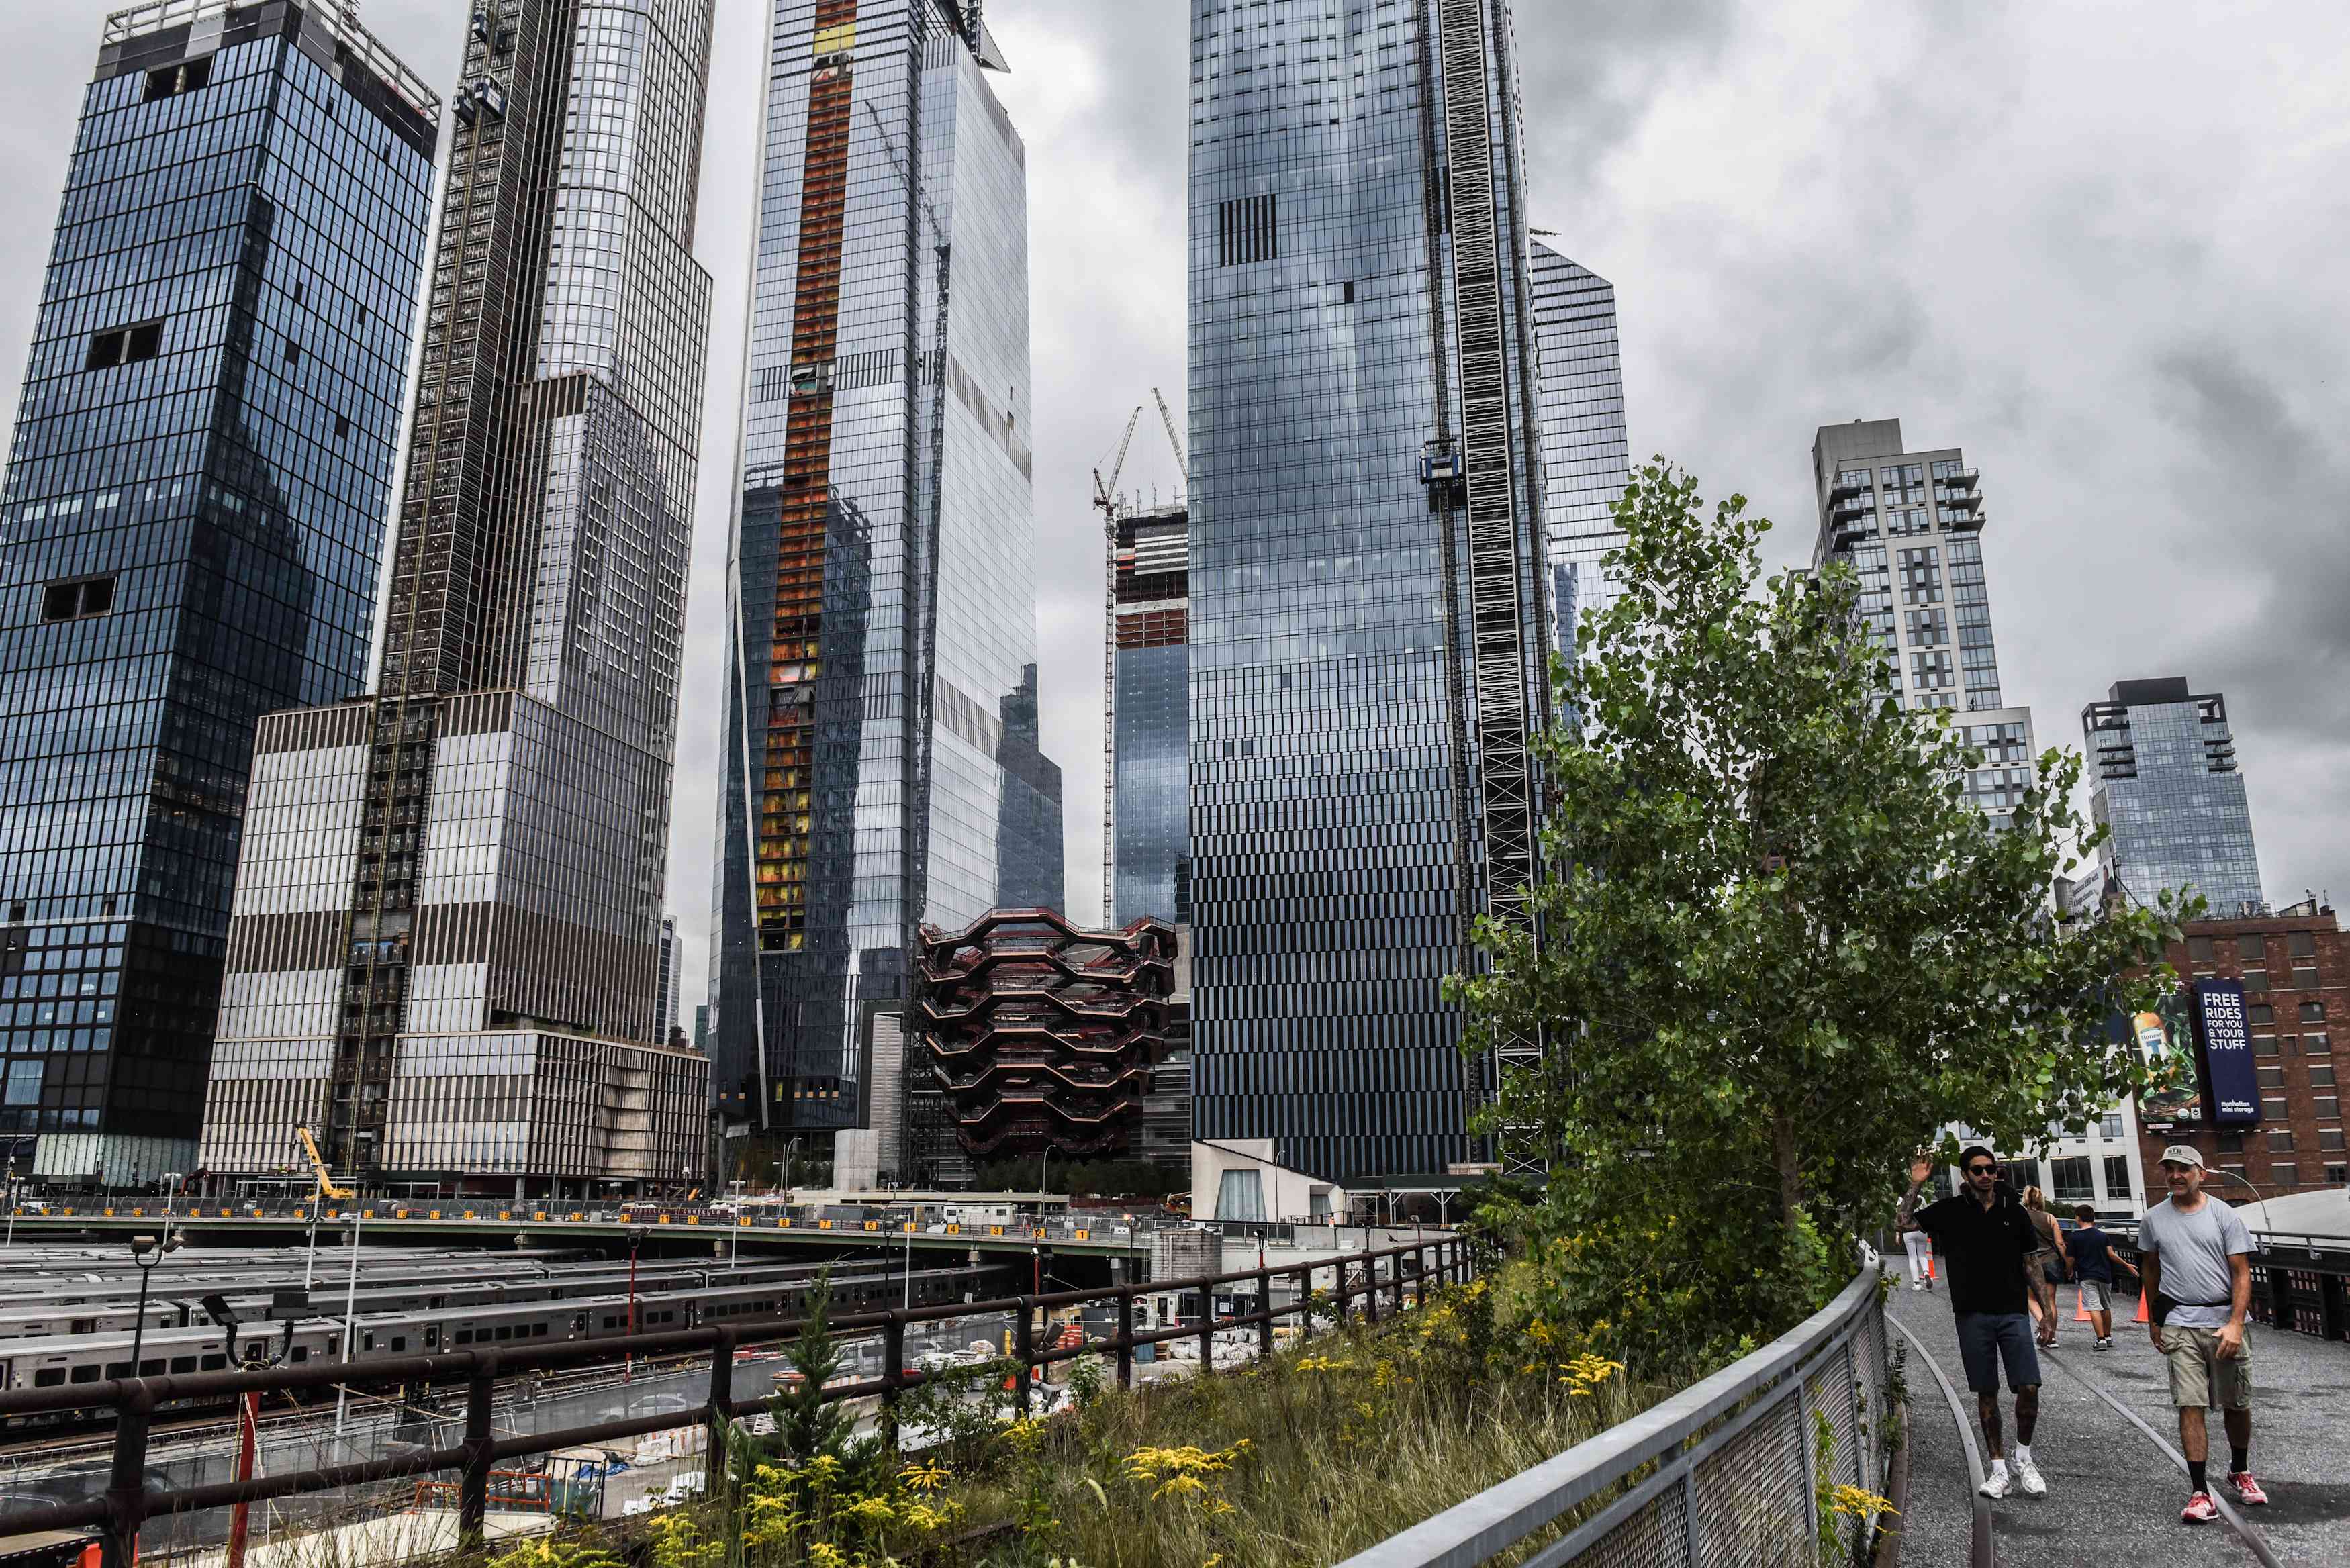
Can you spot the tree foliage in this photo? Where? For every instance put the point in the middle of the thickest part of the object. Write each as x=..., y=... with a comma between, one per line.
x=1781, y=947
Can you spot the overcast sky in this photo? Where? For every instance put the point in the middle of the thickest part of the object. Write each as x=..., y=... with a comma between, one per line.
x=2100, y=245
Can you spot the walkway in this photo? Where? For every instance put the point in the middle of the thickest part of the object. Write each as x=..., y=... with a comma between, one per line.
x=2112, y=1497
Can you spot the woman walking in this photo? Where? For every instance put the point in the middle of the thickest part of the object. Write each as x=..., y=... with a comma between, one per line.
x=2045, y=1267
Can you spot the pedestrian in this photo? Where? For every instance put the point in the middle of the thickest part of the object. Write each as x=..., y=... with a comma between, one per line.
x=1984, y=1238
x=2090, y=1254
x=2198, y=1285
x=1920, y=1248
x=2047, y=1263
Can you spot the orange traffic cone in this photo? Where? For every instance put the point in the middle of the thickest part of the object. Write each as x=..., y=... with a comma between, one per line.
x=2141, y=1305
x=2080, y=1305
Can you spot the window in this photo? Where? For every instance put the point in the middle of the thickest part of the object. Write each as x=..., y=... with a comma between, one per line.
x=2313, y=1012
x=172, y=80
x=2329, y=1137
x=2199, y=949
x=2264, y=1044
x=2321, y=1075
x=293, y=352
x=2337, y=1175
x=183, y=1364
x=2317, y=1044
x=2110, y=1125
x=124, y=346
x=2302, y=944
x=342, y=426
x=2252, y=949
x=2260, y=1012
x=48, y=1376
x=2070, y=1180
x=72, y=601
x=2270, y=1077
x=2117, y=1180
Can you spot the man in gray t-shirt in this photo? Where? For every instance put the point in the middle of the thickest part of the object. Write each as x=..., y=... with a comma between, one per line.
x=2198, y=1255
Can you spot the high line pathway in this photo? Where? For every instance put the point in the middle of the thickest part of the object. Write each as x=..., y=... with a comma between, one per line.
x=2114, y=1495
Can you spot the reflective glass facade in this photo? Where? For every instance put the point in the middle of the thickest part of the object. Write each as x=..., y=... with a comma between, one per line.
x=883, y=766
x=2163, y=763
x=1585, y=463
x=189, y=530
x=490, y=952
x=1367, y=618
x=1149, y=718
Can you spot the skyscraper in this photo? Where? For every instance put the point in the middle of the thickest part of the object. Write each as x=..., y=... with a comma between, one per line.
x=1586, y=460
x=445, y=947
x=1149, y=697
x=665, y=1005
x=1368, y=628
x=2163, y=768
x=1910, y=523
x=881, y=760
x=188, y=535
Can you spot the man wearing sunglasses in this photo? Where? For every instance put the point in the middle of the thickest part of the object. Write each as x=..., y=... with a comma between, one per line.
x=1985, y=1239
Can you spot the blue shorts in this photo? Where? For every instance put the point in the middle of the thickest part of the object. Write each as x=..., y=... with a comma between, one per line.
x=1988, y=1338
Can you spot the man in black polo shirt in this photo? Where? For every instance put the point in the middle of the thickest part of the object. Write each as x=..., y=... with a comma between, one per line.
x=1984, y=1238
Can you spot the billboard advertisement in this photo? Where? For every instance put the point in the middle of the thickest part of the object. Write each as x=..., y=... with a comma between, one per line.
x=2223, y=1044
x=2165, y=1040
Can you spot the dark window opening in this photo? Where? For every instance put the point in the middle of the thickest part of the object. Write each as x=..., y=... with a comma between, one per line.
x=297, y=291
x=48, y=1376
x=73, y=602
x=1351, y=293
x=171, y=80
x=293, y=352
x=342, y=426
x=1248, y=229
x=124, y=346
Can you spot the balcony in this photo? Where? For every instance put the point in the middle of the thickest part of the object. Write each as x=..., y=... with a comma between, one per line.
x=1963, y=521
x=1964, y=479
x=1859, y=506
x=1959, y=500
x=1843, y=487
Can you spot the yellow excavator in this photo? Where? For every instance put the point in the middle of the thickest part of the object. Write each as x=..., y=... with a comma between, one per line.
x=327, y=1188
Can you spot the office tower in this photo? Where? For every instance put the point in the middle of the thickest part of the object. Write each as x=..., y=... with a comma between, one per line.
x=446, y=944
x=1910, y=524
x=882, y=766
x=188, y=535
x=665, y=1003
x=701, y=1027
x=1368, y=573
x=1146, y=827
x=1585, y=462
x=2163, y=766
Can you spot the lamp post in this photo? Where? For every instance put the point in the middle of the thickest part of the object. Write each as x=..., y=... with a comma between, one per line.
x=636, y=1235
x=146, y=1251
x=171, y=1195
x=350, y=1318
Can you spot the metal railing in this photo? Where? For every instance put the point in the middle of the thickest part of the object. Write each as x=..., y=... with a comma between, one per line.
x=1410, y=1272
x=2300, y=1283
x=1725, y=1471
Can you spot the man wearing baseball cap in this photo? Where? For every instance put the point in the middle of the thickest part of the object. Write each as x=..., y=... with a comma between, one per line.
x=2198, y=1285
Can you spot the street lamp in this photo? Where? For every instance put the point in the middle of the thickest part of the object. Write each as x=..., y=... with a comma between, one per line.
x=146, y=1251
x=350, y=1318
x=636, y=1235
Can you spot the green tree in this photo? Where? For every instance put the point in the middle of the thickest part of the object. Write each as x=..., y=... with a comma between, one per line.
x=1781, y=947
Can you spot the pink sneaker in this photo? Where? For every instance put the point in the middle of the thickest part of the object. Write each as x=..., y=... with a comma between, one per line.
x=2199, y=1510
x=2247, y=1490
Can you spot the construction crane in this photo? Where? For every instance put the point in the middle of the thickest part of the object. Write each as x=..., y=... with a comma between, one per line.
x=1105, y=490
x=327, y=1188
x=1182, y=465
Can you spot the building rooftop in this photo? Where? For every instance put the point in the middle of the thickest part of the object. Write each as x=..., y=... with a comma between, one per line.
x=336, y=19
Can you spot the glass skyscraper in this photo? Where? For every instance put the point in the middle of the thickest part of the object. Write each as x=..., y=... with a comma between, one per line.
x=2163, y=766
x=1585, y=462
x=1149, y=826
x=1367, y=566
x=189, y=530
x=445, y=944
x=882, y=769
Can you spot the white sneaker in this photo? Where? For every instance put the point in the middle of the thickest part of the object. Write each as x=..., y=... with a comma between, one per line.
x=2028, y=1474
x=1998, y=1485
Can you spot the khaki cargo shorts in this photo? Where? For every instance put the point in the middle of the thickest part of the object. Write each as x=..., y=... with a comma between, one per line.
x=2198, y=1378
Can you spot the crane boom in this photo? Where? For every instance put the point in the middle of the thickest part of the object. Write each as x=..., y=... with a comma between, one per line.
x=1182, y=464
x=327, y=1188
x=1105, y=490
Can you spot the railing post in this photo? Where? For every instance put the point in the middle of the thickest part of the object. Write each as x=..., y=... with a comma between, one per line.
x=474, y=1490
x=1264, y=1311
x=1024, y=1342
x=893, y=1372
x=1419, y=1276
x=2333, y=1310
x=1125, y=1337
x=126, y=1490
x=1305, y=1304
x=1206, y=1326
x=721, y=1410
x=1370, y=1288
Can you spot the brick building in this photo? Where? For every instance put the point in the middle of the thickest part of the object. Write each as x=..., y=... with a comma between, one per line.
x=2295, y=970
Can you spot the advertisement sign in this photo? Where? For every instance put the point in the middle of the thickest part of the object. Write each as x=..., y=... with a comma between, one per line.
x=2231, y=1090
x=2166, y=1043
